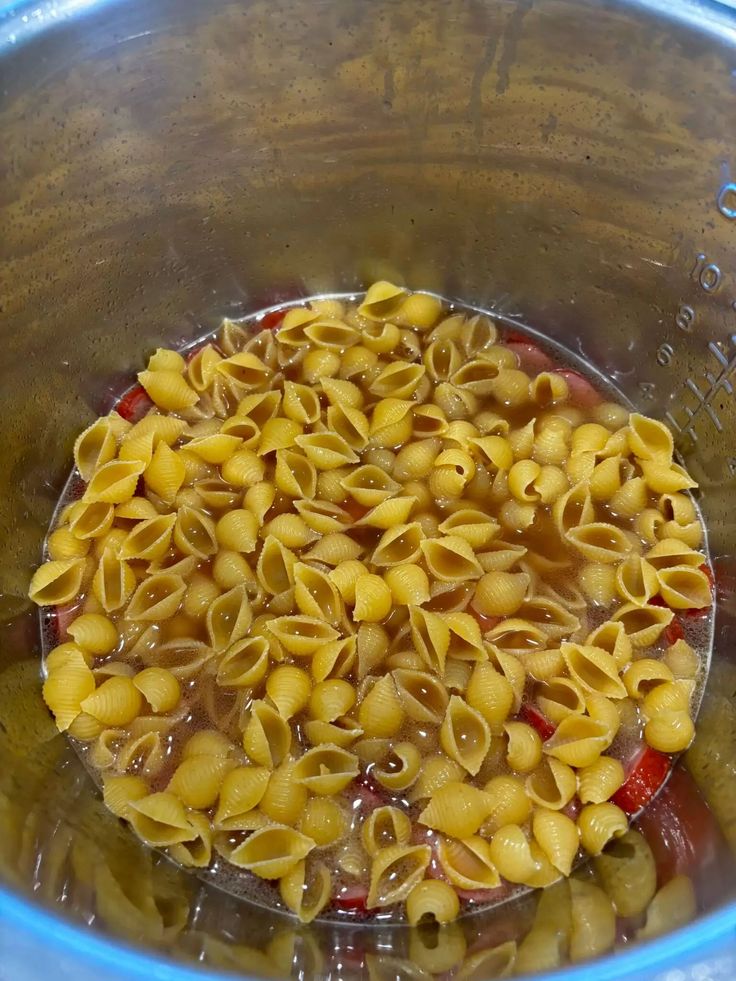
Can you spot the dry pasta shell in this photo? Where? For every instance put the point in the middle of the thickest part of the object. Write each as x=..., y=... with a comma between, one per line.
x=166, y=473
x=600, y=781
x=160, y=820
x=329, y=700
x=272, y=852
x=245, y=368
x=194, y=533
x=334, y=659
x=342, y=732
x=409, y=584
x=578, y=741
x=385, y=827
x=115, y=703
x=316, y=594
x=301, y=635
x=197, y=780
x=149, y=539
x=423, y=696
x=326, y=769
x=382, y=300
x=435, y=773
x=157, y=598
x=399, y=379
x=66, y=687
x=649, y=439
x=510, y=853
x=122, y=791
x=184, y=658
x=670, y=731
x=380, y=712
x=401, y=767
x=464, y=735
x=490, y=693
x=295, y=475
x=114, y=482
x=275, y=568
x=196, y=853
x=524, y=746
x=457, y=809
x=599, y=541
x=334, y=548
x=467, y=863
x=665, y=477
x=228, y=618
x=241, y=791
x=598, y=824
x=475, y=527
x=500, y=593
x=683, y=587
x=394, y=873
x=327, y=451
x=552, y=785
x=57, y=582
x=97, y=444
x=558, y=837
x=594, y=669
x=434, y=899
x=289, y=689
x=611, y=636
x=244, y=664
x=466, y=642
x=673, y=552
x=643, y=624
x=94, y=633
x=431, y=637
x=593, y=921
x=399, y=545
x=306, y=890
x=266, y=735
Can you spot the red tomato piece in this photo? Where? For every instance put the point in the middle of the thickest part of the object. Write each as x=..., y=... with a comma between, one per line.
x=673, y=632
x=680, y=828
x=514, y=337
x=134, y=404
x=351, y=899
x=648, y=772
x=532, y=359
x=271, y=320
x=708, y=573
x=532, y=716
x=657, y=601
x=582, y=392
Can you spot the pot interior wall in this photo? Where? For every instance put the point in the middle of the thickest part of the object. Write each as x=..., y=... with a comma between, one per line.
x=166, y=163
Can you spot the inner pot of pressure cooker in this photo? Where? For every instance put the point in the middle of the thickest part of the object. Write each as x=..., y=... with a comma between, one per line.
x=366, y=604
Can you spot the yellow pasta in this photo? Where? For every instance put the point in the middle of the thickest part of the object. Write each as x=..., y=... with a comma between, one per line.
x=375, y=548
x=598, y=824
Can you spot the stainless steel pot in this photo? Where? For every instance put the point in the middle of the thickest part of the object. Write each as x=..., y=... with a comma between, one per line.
x=169, y=161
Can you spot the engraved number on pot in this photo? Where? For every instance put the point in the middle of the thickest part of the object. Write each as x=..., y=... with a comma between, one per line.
x=707, y=273
x=726, y=201
x=685, y=318
x=647, y=390
x=664, y=355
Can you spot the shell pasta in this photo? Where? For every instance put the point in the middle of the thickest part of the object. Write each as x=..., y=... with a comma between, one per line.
x=368, y=605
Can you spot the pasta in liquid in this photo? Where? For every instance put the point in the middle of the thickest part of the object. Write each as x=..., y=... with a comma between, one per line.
x=366, y=606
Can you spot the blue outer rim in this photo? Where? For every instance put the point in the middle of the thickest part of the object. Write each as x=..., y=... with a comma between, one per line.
x=678, y=948
x=55, y=933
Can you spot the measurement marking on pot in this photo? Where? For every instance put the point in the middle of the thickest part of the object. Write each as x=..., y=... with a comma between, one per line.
x=716, y=382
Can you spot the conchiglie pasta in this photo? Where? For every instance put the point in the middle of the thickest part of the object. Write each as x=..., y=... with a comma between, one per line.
x=370, y=604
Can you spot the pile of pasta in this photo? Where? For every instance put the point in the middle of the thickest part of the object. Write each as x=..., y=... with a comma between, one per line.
x=361, y=604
